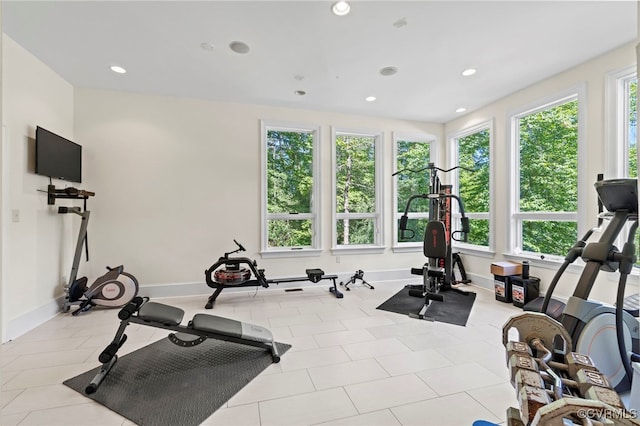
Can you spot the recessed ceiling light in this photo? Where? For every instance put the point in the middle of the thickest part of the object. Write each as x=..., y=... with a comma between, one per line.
x=340, y=8
x=461, y=110
x=387, y=71
x=370, y=98
x=469, y=71
x=207, y=46
x=239, y=47
x=118, y=69
x=300, y=92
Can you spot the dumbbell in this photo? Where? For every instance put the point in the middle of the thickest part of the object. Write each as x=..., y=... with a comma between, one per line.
x=521, y=362
x=595, y=385
x=575, y=362
x=531, y=399
x=520, y=348
x=527, y=381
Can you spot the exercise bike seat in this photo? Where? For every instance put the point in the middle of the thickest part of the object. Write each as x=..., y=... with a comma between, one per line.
x=164, y=314
x=228, y=327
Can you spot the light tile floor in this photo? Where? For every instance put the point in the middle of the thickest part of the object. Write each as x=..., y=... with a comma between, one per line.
x=350, y=364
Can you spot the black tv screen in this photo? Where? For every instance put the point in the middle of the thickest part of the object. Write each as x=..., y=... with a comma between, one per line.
x=58, y=157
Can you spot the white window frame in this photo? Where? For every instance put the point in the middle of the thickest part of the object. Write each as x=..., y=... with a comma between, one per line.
x=377, y=216
x=490, y=215
x=314, y=215
x=616, y=113
x=616, y=134
x=432, y=141
x=514, y=230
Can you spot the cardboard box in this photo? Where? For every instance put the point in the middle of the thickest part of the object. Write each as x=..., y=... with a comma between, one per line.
x=506, y=269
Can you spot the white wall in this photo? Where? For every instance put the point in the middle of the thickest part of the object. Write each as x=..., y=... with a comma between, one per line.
x=176, y=180
x=36, y=248
x=593, y=74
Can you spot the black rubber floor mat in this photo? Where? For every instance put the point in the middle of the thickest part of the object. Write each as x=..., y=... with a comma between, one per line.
x=454, y=310
x=164, y=384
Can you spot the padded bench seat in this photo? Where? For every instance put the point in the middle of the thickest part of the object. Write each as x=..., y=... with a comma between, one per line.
x=170, y=316
x=164, y=314
x=229, y=327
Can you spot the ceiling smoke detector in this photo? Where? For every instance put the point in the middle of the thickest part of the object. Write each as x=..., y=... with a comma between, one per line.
x=207, y=46
x=387, y=71
x=239, y=47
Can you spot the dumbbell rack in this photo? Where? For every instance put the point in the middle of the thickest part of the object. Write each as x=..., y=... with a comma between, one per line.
x=555, y=387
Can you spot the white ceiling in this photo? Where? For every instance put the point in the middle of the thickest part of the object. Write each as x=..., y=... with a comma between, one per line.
x=301, y=45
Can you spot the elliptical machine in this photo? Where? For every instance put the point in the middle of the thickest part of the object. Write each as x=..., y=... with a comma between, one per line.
x=596, y=328
x=114, y=289
x=438, y=273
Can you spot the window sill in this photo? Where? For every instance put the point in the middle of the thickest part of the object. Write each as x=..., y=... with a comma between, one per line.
x=279, y=254
x=472, y=250
x=549, y=262
x=407, y=248
x=357, y=250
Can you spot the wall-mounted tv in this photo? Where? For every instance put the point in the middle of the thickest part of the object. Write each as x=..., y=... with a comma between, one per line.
x=58, y=157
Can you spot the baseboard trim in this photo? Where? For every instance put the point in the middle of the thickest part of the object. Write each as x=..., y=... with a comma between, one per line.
x=18, y=326
x=32, y=319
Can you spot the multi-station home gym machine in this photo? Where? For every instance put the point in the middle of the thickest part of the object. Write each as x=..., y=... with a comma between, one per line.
x=573, y=370
x=438, y=273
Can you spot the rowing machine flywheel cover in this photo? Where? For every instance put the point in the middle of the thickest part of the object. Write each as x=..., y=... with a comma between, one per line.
x=233, y=275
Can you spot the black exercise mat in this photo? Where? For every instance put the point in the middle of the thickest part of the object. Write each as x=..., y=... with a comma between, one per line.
x=165, y=384
x=454, y=310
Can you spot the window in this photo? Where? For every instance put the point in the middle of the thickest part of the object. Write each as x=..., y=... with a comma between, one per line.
x=621, y=130
x=411, y=152
x=357, y=190
x=546, y=183
x=471, y=150
x=622, y=87
x=290, y=188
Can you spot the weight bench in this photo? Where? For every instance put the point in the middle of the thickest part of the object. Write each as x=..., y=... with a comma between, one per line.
x=199, y=329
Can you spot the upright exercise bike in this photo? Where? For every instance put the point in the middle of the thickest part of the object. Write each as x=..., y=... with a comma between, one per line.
x=596, y=329
x=438, y=273
x=114, y=289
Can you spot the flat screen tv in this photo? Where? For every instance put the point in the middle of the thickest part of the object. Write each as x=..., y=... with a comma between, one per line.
x=58, y=157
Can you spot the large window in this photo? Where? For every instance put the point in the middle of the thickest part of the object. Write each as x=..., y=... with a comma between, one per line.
x=357, y=190
x=290, y=188
x=622, y=94
x=546, y=142
x=411, y=153
x=621, y=131
x=471, y=150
